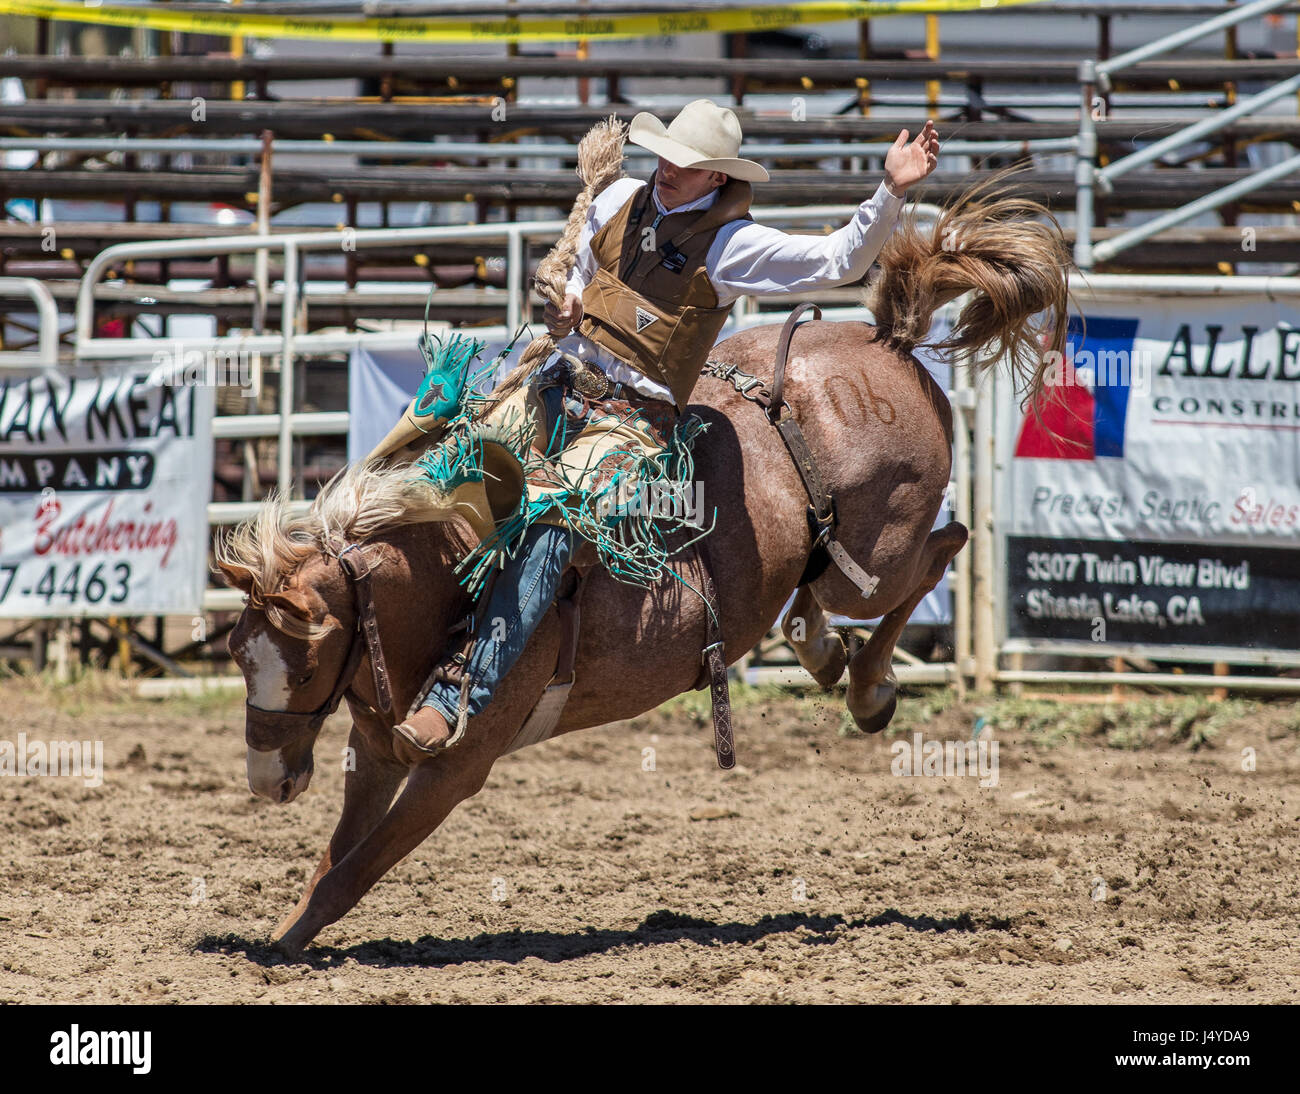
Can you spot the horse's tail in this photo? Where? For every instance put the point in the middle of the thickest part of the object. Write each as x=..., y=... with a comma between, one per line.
x=997, y=246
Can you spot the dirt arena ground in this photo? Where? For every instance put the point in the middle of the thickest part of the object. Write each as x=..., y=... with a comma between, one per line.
x=1127, y=854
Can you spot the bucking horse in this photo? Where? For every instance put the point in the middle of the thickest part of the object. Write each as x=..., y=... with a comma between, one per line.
x=364, y=581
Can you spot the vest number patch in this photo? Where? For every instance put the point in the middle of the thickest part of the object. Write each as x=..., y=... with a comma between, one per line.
x=643, y=319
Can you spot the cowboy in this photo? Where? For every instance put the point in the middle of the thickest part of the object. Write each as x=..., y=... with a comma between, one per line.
x=659, y=265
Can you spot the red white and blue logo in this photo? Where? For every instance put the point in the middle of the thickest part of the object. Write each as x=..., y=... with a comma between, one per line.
x=1082, y=414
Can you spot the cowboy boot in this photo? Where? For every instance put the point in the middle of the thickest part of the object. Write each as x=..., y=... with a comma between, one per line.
x=424, y=734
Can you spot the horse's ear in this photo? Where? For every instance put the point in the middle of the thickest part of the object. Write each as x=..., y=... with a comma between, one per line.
x=293, y=601
x=237, y=577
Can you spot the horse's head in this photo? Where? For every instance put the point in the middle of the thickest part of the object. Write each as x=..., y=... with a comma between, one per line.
x=292, y=646
x=307, y=579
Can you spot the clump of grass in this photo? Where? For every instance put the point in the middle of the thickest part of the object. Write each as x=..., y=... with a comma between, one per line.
x=84, y=690
x=849, y=728
x=1047, y=724
x=1132, y=723
x=692, y=706
x=1129, y=738
x=88, y=690
x=917, y=711
x=696, y=705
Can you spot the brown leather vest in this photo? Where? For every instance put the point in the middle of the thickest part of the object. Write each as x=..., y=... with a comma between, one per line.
x=651, y=303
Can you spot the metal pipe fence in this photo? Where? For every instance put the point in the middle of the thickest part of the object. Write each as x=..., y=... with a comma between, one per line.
x=1091, y=180
x=47, y=354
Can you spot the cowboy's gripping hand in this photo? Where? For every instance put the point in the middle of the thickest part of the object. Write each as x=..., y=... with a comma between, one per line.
x=560, y=321
x=907, y=164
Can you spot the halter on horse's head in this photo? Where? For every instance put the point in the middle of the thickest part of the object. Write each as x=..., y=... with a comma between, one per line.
x=307, y=626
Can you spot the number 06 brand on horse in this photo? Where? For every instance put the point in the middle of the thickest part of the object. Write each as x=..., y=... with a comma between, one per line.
x=627, y=513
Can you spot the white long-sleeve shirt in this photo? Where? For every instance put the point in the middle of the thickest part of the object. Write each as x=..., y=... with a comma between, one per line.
x=744, y=258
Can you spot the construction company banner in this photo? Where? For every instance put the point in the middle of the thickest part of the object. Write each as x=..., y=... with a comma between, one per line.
x=105, y=476
x=589, y=27
x=1157, y=500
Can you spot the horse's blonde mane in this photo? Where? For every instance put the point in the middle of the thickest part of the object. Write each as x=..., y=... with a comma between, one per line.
x=356, y=504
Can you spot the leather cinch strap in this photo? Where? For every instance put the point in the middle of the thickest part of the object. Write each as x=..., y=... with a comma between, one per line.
x=823, y=504
x=782, y=355
x=724, y=743
x=822, y=516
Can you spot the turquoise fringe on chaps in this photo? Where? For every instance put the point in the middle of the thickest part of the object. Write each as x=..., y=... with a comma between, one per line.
x=629, y=503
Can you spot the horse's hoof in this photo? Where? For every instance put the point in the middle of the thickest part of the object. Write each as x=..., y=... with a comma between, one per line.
x=288, y=950
x=293, y=943
x=832, y=672
x=875, y=722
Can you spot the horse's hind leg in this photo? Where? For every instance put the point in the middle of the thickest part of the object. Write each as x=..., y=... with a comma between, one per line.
x=368, y=790
x=819, y=649
x=873, y=691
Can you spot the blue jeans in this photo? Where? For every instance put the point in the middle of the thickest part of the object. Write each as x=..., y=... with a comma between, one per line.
x=520, y=598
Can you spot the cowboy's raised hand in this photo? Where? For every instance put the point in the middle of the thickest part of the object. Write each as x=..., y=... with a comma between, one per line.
x=907, y=164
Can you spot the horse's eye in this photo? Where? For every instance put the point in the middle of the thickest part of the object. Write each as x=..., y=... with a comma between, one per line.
x=303, y=678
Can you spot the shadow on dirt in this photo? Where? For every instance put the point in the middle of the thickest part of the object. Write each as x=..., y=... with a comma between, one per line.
x=512, y=947
x=964, y=922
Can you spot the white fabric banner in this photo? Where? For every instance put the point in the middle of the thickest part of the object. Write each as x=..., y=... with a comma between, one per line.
x=381, y=384
x=1158, y=499
x=1175, y=419
x=105, y=477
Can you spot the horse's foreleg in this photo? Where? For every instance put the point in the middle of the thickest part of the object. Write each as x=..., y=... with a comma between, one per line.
x=368, y=789
x=819, y=649
x=433, y=789
x=873, y=690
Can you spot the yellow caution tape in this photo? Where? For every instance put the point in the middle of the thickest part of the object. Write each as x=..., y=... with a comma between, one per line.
x=238, y=24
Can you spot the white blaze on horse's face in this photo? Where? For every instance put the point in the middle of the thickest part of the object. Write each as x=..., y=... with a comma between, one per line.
x=268, y=687
x=266, y=673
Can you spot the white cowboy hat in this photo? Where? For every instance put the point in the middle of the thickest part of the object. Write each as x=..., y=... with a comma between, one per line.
x=704, y=135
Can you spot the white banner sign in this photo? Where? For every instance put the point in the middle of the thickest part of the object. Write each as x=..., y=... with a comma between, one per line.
x=1174, y=419
x=1157, y=499
x=105, y=477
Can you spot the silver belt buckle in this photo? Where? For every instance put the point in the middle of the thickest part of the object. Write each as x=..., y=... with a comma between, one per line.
x=586, y=379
